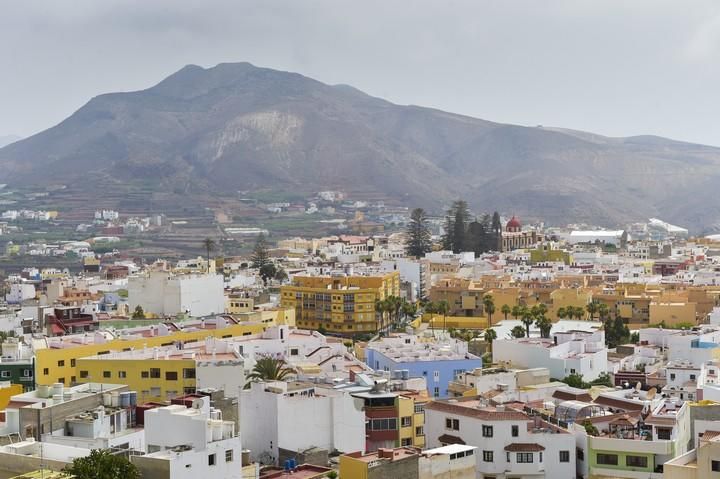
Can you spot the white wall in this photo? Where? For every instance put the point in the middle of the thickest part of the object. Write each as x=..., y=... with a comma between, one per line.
x=162, y=293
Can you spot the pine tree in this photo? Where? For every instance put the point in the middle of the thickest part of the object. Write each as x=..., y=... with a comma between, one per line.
x=456, y=227
x=260, y=256
x=418, y=234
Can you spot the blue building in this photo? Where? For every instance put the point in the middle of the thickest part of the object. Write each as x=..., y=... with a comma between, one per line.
x=438, y=362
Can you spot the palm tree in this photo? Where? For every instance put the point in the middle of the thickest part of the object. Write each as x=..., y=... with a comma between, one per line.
x=505, y=310
x=380, y=308
x=443, y=307
x=527, y=320
x=268, y=368
x=490, y=336
x=562, y=312
x=209, y=245
x=544, y=324
x=489, y=305
x=603, y=312
x=409, y=309
x=516, y=311
x=431, y=307
x=579, y=313
x=592, y=308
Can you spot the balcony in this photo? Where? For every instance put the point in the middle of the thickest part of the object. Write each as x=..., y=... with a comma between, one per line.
x=632, y=445
x=620, y=473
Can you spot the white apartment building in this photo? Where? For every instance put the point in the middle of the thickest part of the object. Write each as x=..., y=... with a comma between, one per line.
x=280, y=418
x=187, y=443
x=564, y=353
x=509, y=442
x=165, y=294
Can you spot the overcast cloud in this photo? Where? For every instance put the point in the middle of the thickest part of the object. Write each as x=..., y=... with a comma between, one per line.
x=612, y=67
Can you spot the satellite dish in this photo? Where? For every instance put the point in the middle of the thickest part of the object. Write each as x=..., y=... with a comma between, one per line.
x=651, y=393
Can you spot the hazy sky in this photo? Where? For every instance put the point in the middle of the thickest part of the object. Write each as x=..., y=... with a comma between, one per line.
x=612, y=67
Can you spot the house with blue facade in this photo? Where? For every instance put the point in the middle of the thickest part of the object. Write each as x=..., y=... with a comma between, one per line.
x=438, y=361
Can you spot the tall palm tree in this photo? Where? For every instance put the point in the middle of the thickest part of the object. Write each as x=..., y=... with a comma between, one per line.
x=380, y=308
x=431, y=307
x=209, y=245
x=268, y=368
x=490, y=336
x=489, y=305
x=579, y=313
x=527, y=320
x=562, y=312
x=603, y=312
x=592, y=308
x=505, y=310
x=443, y=307
x=516, y=311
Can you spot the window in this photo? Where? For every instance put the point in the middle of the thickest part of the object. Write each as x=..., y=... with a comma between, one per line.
x=664, y=433
x=155, y=373
x=155, y=391
x=61, y=363
x=72, y=363
x=692, y=377
x=189, y=390
x=171, y=394
x=46, y=371
x=436, y=392
x=453, y=424
x=294, y=352
x=61, y=380
x=564, y=456
x=419, y=408
x=73, y=380
x=189, y=373
x=405, y=421
x=715, y=466
x=436, y=376
x=636, y=461
x=171, y=375
x=507, y=456
x=487, y=456
x=580, y=454
x=607, y=459
x=515, y=430
x=487, y=431
x=419, y=431
x=540, y=460
x=122, y=374
x=27, y=373
x=107, y=374
x=5, y=374
x=383, y=424
x=406, y=441
x=572, y=371
x=672, y=376
x=144, y=374
x=524, y=457
x=211, y=460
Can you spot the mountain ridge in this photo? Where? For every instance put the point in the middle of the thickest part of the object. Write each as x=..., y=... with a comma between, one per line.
x=239, y=127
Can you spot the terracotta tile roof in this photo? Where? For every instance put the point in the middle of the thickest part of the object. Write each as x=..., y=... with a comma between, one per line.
x=524, y=447
x=660, y=421
x=469, y=411
x=709, y=435
x=449, y=439
x=567, y=394
x=609, y=417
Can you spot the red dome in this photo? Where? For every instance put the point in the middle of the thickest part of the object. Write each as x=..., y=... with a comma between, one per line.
x=513, y=223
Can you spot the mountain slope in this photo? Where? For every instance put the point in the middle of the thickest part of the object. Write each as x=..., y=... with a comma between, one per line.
x=239, y=127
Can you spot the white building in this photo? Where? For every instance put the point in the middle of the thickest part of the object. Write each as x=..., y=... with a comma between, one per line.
x=165, y=294
x=614, y=237
x=509, y=442
x=455, y=461
x=19, y=292
x=279, y=419
x=185, y=443
x=564, y=353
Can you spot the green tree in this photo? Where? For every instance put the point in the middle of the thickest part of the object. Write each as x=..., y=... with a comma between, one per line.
x=544, y=324
x=456, y=227
x=517, y=332
x=575, y=380
x=516, y=311
x=489, y=306
x=590, y=429
x=490, y=336
x=209, y=245
x=102, y=464
x=281, y=275
x=267, y=271
x=268, y=368
x=527, y=319
x=443, y=307
x=592, y=308
x=418, y=234
x=562, y=312
x=139, y=313
x=505, y=310
x=260, y=255
x=332, y=475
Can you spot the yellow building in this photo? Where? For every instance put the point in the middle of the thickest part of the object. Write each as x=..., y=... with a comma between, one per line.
x=339, y=304
x=161, y=374
x=672, y=314
x=567, y=297
x=382, y=463
x=56, y=358
x=236, y=304
x=8, y=390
